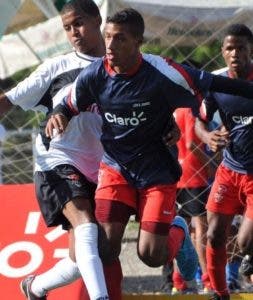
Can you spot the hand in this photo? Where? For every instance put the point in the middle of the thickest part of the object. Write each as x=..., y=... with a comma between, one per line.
x=58, y=122
x=217, y=139
x=173, y=136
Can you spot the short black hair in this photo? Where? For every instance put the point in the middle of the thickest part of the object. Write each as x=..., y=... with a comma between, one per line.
x=239, y=30
x=130, y=17
x=88, y=7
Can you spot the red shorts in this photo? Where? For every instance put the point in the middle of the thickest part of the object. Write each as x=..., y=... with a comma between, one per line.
x=152, y=204
x=231, y=193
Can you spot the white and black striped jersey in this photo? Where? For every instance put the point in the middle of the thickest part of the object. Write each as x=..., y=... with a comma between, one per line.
x=44, y=89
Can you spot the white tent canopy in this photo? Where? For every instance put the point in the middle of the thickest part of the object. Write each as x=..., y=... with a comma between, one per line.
x=8, y=10
x=169, y=22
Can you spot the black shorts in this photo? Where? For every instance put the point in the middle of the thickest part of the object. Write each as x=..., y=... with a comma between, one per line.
x=191, y=202
x=56, y=187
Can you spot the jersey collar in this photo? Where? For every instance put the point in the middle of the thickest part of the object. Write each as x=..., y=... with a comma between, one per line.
x=129, y=73
x=86, y=57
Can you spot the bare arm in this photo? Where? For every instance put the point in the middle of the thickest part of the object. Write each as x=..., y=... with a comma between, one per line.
x=215, y=139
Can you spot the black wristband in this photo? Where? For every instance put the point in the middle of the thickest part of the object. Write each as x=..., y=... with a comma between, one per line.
x=61, y=109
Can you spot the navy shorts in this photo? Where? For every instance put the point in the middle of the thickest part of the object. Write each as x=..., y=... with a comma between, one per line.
x=191, y=202
x=58, y=186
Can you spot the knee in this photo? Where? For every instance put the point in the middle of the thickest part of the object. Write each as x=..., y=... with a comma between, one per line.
x=216, y=238
x=245, y=245
x=109, y=251
x=152, y=257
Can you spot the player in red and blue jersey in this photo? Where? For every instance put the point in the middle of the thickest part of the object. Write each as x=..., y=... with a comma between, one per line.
x=232, y=190
x=136, y=95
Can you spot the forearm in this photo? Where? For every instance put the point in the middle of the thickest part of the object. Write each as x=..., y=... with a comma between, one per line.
x=63, y=110
x=201, y=130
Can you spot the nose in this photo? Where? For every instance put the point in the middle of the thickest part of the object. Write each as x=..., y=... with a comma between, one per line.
x=73, y=30
x=110, y=43
x=235, y=52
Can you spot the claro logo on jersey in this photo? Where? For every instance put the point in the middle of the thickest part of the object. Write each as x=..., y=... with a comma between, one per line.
x=243, y=120
x=133, y=120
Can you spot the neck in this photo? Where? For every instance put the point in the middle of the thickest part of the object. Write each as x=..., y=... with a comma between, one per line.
x=129, y=68
x=98, y=50
x=243, y=74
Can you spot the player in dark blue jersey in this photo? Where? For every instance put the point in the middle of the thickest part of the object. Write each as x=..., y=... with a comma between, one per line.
x=232, y=190
x=137, y=95
x=69, y=166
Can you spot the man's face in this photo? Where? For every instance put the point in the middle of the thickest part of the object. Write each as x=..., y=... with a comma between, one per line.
x=82, y=31
x=236, y=52
x=122, y=48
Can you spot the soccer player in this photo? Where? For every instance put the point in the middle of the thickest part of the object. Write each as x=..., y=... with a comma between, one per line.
x=136, y=95
x=232, y=190
x=66, y=169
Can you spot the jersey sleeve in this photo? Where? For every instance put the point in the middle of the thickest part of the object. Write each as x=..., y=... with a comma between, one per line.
x=80, y=97
x=208, y=108
x=29, y=92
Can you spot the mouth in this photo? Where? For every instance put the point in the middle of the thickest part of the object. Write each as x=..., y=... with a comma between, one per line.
x=235, y=63
x=110, y=56
x=78, y=42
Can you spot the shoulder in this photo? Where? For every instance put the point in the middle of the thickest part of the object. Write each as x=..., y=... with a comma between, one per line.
x=155, y=60
x=222, y=71
x=93, y=69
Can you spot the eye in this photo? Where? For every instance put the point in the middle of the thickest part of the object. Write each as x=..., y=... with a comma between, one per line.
x=66, y=28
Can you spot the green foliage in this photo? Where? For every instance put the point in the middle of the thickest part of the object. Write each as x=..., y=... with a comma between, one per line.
x=208, y=56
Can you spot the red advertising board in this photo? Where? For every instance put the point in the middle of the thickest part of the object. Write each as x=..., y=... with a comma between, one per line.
x=27, y=246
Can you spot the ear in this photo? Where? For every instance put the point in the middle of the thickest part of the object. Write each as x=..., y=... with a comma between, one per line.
x=140, y=41
x=98, y=21
x=222, y=51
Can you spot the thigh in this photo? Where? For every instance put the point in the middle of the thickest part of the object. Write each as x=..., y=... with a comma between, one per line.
x=157, y=204
x=112, y=217
x=114, y=187
x=218, y=228
x=57, y=187
x=247, y=188
x=224, y=197
x=156, y=209
x=245, y=236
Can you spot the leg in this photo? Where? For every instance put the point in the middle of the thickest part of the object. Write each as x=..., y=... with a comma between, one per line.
x=79, y=213
x=62, y=273
x=113, y=217
x=234, y=257
x=200, y=244
x=159, y=241
x=218, y=230
x=191, y=202
x=245, y=245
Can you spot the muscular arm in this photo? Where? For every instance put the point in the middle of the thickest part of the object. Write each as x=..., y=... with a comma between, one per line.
x=216, y=139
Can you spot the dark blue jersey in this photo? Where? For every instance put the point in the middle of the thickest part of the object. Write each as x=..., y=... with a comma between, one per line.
x=237, y=116
x=136, y=110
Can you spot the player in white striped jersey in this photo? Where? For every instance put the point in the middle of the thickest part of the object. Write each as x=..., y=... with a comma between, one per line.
x=66, y=167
